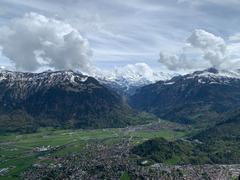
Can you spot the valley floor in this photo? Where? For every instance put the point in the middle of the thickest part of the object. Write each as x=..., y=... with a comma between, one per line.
x=97, y=154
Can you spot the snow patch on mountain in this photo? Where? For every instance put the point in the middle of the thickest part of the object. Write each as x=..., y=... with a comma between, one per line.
x=131, y=76
x=47, y=78
x=209, y=76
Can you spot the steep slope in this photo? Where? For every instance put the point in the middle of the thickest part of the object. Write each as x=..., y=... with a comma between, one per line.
x=227, y=130
x=61, y=98
x=216, y=145
x=197, y=98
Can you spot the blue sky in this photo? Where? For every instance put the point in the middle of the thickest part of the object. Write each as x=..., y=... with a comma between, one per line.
x=126, y=32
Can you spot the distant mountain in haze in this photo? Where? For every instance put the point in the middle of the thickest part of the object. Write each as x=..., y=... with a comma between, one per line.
x=126, y=83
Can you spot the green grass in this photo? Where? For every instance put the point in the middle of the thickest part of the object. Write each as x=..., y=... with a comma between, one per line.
x=17, y=150
x=166, y=133
x=181, y=152
x=125, y=176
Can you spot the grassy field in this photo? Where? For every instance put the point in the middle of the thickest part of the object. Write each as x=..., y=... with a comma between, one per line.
x=20, y=151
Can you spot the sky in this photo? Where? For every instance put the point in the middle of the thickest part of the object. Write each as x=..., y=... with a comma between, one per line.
x=165, y=35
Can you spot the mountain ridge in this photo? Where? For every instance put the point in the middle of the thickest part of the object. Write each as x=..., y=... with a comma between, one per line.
x=127, y=84
x=60, y=98
x=199, y=96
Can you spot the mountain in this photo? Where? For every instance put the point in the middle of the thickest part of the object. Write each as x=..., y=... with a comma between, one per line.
x=198, y=98
x=127, y=82
x=60, y=98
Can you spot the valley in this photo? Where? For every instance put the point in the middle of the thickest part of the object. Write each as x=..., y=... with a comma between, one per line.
x=21, y=152
x=119, y=90
x=65, y=125
x=100, y=154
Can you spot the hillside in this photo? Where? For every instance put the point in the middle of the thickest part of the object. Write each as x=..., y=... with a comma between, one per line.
x=226, y=130
x=215, y=145
x=61, y=99
x=200, y=98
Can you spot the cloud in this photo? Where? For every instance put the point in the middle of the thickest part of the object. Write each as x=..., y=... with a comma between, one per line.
x=119, y=30
x=133, y=26
x=206, y=50
x=235, y=37
x=132, y=73
x=35, y=41
x=213, y=47
x=174, y=62
x=135, y=71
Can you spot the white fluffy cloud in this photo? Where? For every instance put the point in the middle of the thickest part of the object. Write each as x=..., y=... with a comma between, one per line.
x=213, y=47
x=132, y=73
x=136, y=71
x=207, y=50
x=35, y=41
x=175, y=62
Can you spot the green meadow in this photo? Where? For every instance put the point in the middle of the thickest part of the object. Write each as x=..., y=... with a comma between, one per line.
x=19, y=151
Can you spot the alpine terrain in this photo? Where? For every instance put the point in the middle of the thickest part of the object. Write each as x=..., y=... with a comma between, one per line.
x=200, y=98
x=61, y=98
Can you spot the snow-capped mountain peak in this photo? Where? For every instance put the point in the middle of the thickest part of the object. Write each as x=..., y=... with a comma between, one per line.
x=25, y=83
x=50, y=77
x=212, y=72
x=128, y=82
x=208, y=76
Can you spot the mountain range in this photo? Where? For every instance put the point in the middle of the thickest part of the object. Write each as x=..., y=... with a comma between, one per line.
x=71, y=99
x=127, y=81
x=198, y=98
x=60, y=98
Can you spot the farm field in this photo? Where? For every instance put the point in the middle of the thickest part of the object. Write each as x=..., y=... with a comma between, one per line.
x=18, y=152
